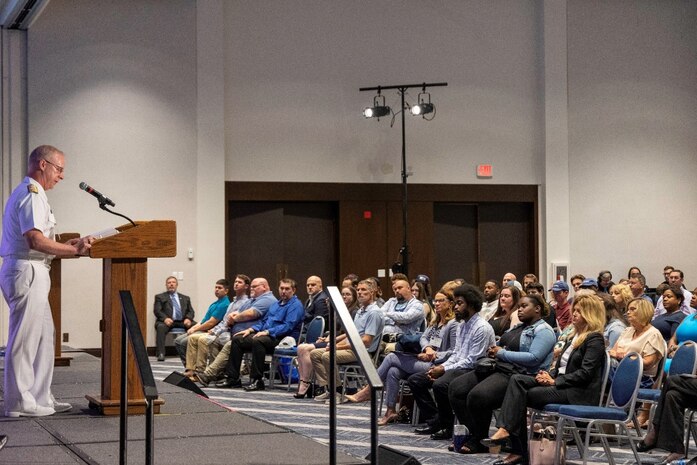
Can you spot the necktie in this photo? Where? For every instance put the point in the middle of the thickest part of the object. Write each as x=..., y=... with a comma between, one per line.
x=177, y=308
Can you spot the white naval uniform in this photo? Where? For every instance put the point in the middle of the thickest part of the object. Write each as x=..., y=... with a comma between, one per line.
x=25, y=283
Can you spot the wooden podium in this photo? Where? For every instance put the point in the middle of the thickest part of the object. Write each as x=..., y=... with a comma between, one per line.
x=125, y=267
x=54, y=300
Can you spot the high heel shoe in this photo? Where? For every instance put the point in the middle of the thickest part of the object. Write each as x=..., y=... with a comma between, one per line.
x=308, y=390
x=489, y=442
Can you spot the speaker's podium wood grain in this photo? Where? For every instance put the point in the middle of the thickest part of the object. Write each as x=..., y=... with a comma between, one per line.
x=125, y=267
x=54, y=300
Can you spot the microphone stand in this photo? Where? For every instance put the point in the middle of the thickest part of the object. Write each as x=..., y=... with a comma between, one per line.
x=103, y=206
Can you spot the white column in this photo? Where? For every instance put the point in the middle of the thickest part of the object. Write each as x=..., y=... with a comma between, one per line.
x=210, y=177
x=555, y=227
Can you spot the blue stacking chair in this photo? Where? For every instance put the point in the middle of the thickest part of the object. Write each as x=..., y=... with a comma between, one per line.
x=550, y=411
x=314, y=330
x=618, y=411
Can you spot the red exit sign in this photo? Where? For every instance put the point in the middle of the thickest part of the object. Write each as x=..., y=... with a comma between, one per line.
x=484, y=171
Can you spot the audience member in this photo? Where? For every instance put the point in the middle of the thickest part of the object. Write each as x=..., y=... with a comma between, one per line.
x=403, y=313
x=491, y=299
x=640, y=337
x=666, y=272
x=576, y=281
x=561, y=305
x=634, y=272
x=637, y=284
x=172, y=310
x=588, y=283
x=605, y=281
x=199, y=349
x=615, y=323
x=436, y=342
x=284, y=318
x=677, y=394
x=508, y=279
x=539, y=289
x=365, y=298
x=350, y=298
x=525, y=349
x=675, y=278
x=253, y=310
x=686, y=331
x=215, y=313
x=316, y=304
x=422, y=292
x=474, y=337
x=350, y=280
x=369, y=324
x=529, y=279
x=669, y=321
x=507, y=310
x=622, y=294
x=576, y=379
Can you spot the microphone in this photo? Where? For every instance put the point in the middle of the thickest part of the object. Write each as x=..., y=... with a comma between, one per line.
x=102, y=199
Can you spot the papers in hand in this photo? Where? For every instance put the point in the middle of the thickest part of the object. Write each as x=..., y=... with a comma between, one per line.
x=104, y=233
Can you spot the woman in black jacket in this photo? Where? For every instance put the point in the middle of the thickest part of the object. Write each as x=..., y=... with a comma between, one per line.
x=575, y=379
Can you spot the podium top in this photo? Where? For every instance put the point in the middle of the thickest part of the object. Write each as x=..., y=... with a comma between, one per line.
x=146, y=239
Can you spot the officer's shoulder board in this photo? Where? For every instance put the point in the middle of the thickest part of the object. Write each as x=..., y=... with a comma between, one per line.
x=32, y=188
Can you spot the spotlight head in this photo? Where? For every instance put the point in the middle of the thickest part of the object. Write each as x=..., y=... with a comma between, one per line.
x=376, y=111
x=422, y=109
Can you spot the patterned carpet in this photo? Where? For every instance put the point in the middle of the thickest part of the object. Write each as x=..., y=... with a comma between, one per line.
x=310, y=418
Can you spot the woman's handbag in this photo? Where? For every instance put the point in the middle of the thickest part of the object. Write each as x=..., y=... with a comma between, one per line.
x=542, y=447
x=409, y=343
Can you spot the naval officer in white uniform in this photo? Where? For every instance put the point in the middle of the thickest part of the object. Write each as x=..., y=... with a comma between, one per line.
x=27, y=248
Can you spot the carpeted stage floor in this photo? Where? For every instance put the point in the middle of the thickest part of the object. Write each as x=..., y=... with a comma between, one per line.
x=233, y=427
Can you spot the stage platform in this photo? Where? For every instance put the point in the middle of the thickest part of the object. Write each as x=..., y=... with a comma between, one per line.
x=189, y=429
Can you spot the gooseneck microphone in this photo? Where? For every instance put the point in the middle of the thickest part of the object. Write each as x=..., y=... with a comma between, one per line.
x=103, y=200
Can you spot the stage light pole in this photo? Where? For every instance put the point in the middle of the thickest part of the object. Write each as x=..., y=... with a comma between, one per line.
x=403, y=267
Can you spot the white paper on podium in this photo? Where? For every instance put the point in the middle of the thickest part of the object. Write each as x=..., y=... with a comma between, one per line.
x=105, y=233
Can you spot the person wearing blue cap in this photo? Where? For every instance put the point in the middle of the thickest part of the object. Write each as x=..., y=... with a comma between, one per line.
x=560, y=303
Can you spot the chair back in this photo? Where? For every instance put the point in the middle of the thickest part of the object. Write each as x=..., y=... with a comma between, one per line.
x=625, y=383
x=684, y=359
x=606, y=376
x=315, y=329
x=660, y=372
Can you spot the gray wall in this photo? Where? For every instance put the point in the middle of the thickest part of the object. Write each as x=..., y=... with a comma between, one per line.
x=157, y=103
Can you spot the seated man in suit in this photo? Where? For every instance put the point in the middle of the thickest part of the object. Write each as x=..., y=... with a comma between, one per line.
x=316, y=304
x=215, y=313
x=284, y=318
x=172, y=310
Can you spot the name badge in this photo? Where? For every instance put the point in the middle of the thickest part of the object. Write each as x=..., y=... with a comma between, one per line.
x=435, y=341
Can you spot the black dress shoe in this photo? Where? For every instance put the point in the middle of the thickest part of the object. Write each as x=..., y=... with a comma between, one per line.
x=488, y=442
x=257, y=385
x=442, y=434
x=229, y=383
x=428, y=429
x=643, y=447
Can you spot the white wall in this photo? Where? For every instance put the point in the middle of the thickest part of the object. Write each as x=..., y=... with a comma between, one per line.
x=294, y=110
x=633, y=137
x=158, y=113
x=114, y=86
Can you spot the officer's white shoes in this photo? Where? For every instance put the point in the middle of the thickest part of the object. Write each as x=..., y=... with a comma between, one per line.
x=61, y=407
x=38, y=411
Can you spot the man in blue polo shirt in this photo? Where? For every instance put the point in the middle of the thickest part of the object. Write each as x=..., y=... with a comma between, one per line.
x=215, y=313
